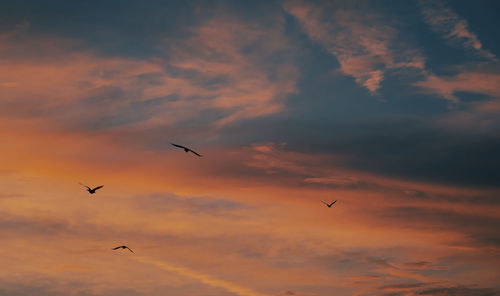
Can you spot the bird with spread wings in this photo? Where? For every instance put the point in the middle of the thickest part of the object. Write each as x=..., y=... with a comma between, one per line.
x=123, y=247
x=330, y=204
x=186, y=149
x=92, y=190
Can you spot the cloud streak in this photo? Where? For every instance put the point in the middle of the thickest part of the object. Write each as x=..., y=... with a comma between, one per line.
x=204, y=278
x=452, y=27
x=365, y=47
x=466, y=81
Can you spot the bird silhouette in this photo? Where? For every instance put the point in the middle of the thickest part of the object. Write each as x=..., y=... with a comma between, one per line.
x=329, y=205
x=123, y=247
x=92, y=190
x=186, y=149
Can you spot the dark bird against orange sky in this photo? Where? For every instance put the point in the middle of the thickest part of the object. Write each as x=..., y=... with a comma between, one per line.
x=123, y=247
x=92, y=190
x=329, y=205
x=186, y=149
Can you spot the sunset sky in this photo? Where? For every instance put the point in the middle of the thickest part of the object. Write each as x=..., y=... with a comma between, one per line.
x=390, y=107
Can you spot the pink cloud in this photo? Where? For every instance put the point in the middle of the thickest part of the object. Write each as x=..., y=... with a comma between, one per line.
x=247, y=84
x=475, y=82
x=217, y=50
x=363, y=45
x=452, y=27
x=267, y=147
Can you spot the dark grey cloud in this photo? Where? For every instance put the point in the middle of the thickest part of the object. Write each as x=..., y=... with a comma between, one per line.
x=411, y=289
x=75, y=288
x=18, y=289
x=418, y=264
x=403, y=286
x=34, y=290
x=393, y=294
x=486, y=198
x=384, y=262
x=122, y=28
x=406, y=148
x=459, y=291
x=112, y=27
x=13, y=225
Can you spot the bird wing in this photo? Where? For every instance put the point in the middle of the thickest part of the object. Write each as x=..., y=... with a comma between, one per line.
x=324, y=202
x=195, y=152
x=180, y=146
x=84, y=186
x=98, y=187
x=130, y=249
x=117, y=248
x=333, y=203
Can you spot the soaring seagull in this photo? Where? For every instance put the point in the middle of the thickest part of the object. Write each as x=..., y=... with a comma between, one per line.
x=186, y=149
x=92, y=190
x=123, y=247
x=329, y=205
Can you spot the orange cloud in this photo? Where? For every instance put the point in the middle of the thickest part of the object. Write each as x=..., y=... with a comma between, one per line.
x=180, y=213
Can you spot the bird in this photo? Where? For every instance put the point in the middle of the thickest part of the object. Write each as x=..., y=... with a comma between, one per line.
x=92, y=190
x=329, y=205
x=123, y=247
x=186, y=149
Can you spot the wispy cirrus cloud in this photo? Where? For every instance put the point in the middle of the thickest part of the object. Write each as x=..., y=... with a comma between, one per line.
x=248, y=81
x=452, y=27
x=465, y=81
x=204, y=278
x=214, y=76
x=480, y=114
x=365, y=46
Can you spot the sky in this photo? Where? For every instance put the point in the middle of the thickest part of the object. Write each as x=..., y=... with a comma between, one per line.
x=390, y=107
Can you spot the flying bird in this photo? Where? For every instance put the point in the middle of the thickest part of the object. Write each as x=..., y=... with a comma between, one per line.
x=92, y=190
x=123, y=247
x=329, y=205
x=186, y=149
